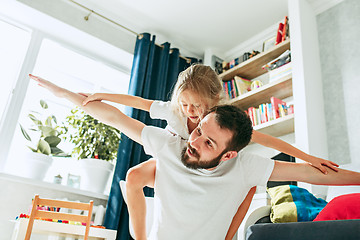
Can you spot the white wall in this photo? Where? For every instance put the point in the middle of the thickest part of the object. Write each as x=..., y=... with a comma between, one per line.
x=339, y=43
x=310, y=131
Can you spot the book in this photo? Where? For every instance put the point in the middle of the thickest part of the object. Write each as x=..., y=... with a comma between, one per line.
x=232, y=63
x=229, y=89
x=226, y=90
x=270, y=112
x=279, y=34
x=257, y=116
x=278, y=107
x=234, y=90
x=282, y=110
x=291, y=109
x=251, y=113
x=261, y=113
x=243, y=85
x=285, y=29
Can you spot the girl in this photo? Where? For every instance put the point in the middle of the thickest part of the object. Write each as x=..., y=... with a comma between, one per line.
x=198, y=89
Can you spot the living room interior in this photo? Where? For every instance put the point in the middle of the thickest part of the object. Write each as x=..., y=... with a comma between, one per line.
x=89, y=45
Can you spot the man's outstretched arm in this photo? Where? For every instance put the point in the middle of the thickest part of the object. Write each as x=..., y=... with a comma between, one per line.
x=303, y=172
x=99, y=110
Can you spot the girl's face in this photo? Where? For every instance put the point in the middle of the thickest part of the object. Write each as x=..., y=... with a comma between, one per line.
x=192, y=105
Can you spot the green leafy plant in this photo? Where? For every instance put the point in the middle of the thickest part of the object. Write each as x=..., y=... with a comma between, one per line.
x=49, y=134
x=92, y=138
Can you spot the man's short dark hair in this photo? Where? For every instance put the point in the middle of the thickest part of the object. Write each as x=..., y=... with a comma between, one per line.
x=237, y=121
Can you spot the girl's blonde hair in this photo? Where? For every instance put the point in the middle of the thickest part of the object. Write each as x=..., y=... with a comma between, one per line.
x=202, y=80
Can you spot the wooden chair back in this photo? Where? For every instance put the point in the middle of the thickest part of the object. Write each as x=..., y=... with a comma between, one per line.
x=50, y=214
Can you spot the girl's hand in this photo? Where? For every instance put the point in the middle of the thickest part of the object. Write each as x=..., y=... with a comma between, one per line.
x=320, y=164
x=56, y=90
x=91, y=98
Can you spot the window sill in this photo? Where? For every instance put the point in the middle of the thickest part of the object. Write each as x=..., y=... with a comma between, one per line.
x=52, y=186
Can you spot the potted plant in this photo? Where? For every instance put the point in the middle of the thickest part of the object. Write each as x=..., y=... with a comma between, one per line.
x=44, y=147
x=95, y=145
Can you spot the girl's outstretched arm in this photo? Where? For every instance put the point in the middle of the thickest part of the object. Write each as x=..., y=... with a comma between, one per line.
x=124, y=99
x=99, y=110
x=280, y=145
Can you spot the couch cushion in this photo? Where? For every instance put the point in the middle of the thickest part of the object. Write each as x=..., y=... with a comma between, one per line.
x=329, y=230
x=341, y=208
x=290, y=203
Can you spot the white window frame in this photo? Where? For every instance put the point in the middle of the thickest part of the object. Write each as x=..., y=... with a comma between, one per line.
x=11, y=113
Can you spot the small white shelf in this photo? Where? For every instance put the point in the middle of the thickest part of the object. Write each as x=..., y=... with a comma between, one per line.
x=52, y=186
x=60, y=229
x=277, y=127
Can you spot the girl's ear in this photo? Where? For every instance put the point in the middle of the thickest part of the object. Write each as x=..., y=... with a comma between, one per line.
x=229, y=155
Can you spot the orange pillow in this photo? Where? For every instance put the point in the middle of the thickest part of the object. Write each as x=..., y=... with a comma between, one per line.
x=341, y=208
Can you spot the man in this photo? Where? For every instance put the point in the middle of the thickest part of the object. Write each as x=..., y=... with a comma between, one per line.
x=200, y=183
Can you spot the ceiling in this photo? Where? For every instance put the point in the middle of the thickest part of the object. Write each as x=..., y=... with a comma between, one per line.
x=194, y=25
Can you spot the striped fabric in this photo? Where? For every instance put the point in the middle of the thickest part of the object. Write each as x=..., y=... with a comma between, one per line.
x=290, y=203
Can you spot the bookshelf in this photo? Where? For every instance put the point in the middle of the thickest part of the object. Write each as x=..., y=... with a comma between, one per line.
x=308, y=124
x=251, y=68
x=281, y=88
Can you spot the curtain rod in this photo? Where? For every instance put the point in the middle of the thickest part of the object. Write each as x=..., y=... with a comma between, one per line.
x=128, y=29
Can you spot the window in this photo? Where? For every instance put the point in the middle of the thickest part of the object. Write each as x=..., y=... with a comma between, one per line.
x=71, y=70
x=13, y=46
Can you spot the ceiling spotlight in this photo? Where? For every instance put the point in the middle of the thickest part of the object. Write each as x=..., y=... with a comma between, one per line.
x=87, y=17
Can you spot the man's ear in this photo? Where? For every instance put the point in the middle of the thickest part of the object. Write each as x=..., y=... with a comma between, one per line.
x=228, y=155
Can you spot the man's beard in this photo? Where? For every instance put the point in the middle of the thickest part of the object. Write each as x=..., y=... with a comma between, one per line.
x=198, y=164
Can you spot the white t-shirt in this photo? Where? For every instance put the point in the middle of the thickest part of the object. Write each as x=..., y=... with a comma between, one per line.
x=198, y=204
x=176, y=123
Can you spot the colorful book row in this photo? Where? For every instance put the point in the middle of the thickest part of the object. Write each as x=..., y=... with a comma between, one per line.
x=269, y=111
x=236, y=87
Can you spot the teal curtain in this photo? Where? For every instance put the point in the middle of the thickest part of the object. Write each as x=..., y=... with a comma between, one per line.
x=154, y=72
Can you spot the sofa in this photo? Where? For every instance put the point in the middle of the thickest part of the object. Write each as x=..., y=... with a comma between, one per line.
x=259, y=226
x=329, y=230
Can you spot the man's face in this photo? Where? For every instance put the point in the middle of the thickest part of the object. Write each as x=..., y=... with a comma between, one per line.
x=207, y=144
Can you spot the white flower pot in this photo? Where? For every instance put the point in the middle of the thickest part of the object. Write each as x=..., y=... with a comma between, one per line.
x=94, y=174
x=34, y=165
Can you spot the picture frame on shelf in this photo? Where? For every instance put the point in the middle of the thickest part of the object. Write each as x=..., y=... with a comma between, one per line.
x=73, y=180
x=217, y=63
x=269, y=43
